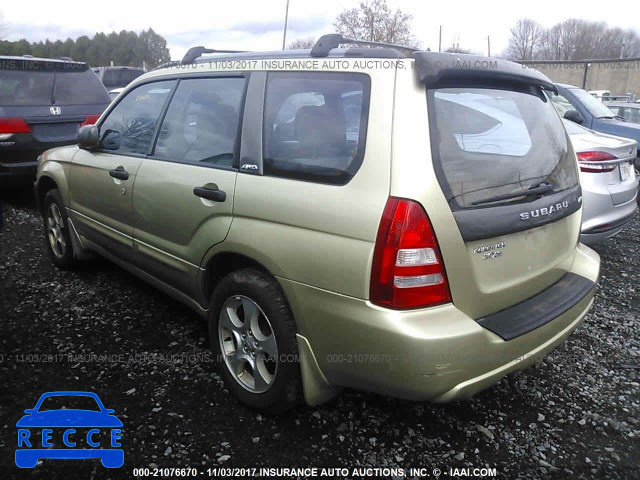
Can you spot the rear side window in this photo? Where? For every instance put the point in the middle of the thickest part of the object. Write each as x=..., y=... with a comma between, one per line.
x=489, y=142
x=315, y=125
x=41, y=84
x=129, y=127
x=201, y=124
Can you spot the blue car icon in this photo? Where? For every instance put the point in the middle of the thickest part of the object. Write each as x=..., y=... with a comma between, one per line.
x=69, y=433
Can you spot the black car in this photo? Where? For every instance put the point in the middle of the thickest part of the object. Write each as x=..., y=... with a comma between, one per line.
x=579, y=106
x=43, y=102
x=117, y=77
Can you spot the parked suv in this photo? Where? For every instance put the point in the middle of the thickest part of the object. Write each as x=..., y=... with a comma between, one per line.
x=396, y=221
x=43, y=101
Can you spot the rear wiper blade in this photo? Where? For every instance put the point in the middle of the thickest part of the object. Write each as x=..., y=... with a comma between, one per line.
x=539, y=189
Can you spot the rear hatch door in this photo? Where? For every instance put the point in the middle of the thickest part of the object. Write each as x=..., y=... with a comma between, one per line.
x=509, y=174
x=54, y=98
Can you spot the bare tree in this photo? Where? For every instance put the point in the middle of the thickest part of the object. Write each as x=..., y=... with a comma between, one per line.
x=374, y=21
x=301, y=43
x=526, y=40
x=574, y=39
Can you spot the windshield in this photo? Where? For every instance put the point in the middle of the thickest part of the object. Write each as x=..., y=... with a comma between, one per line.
x=595, y=106
x=67, y=402
x=490, y=142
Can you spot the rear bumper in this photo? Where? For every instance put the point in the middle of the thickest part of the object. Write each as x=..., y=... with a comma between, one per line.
x=17, y=173
x=438, y=354
x=600, y=234
x=19, y=161
x=601, y=218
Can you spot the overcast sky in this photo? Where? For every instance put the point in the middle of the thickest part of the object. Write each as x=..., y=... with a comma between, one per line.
x=258, y=24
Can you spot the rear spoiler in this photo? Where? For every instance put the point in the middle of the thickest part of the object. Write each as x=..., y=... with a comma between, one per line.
x=438, y=69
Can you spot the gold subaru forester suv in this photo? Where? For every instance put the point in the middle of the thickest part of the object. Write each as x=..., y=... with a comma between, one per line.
x=403, y=222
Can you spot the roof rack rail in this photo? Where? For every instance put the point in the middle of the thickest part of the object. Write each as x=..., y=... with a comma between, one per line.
x=328, y=42
x=66, y=59
x=196, y=52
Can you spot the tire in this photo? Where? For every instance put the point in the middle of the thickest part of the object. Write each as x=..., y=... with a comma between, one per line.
x=56, y=231
x=255, y=345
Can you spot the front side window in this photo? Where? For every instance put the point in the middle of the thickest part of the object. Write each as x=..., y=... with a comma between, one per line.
x=490, y=143
x=561, y=103
x=201, y=125
x=129, y=127
x=314, y=125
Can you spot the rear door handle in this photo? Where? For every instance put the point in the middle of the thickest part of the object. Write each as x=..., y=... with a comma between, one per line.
x=119, y=173
x=210, y=194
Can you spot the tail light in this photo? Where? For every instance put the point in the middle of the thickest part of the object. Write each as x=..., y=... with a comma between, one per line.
x=589, y=161
x=407, y=269
x=90, y=120
x=13, y=125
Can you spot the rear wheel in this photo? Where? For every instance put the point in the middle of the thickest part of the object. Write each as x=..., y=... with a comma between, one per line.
x=56, y=230
x=253, y=334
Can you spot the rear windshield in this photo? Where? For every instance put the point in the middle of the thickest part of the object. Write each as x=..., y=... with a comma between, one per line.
x=113, y=78
x=491, y=142
x=45, y=87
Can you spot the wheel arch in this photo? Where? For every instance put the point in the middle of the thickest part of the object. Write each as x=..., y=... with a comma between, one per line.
x=45, y=183
x=52, y=174
x=221, y=264
x=315, y=387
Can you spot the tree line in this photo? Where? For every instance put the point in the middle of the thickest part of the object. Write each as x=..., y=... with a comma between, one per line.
x=123, y=48
x=573, y=39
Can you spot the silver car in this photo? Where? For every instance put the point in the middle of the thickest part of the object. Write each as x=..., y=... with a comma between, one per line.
x=609, y=181
x=629, y=111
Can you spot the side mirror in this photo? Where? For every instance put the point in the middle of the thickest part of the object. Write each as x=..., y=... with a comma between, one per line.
x=574, y=116
x=29, y=411
x=111, y=140
x=88, y=137
x=109, y=411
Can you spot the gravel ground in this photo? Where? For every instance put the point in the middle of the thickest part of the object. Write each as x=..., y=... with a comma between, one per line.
x=575, y=416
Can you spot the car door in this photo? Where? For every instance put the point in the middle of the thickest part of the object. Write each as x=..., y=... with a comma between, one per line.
x=184, y=192
x=102, y=180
